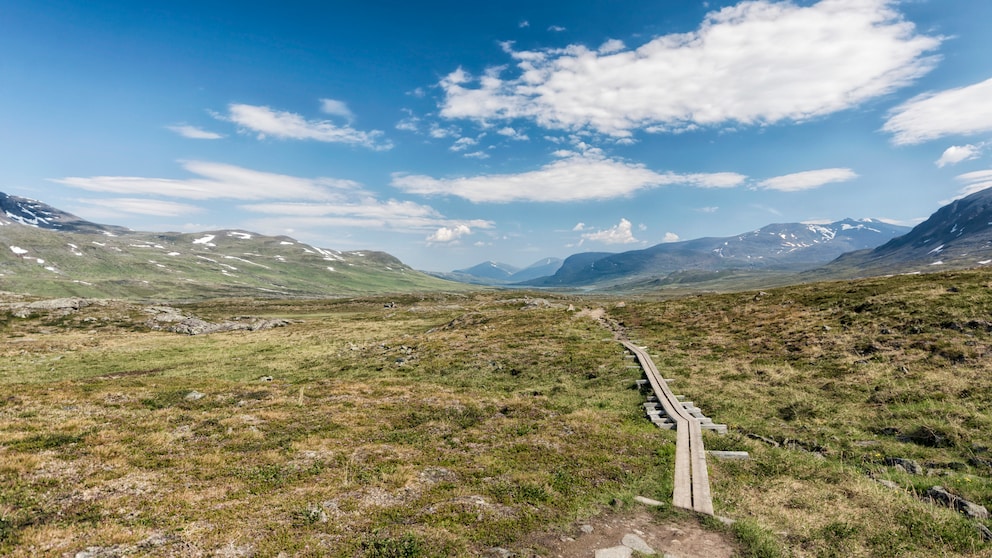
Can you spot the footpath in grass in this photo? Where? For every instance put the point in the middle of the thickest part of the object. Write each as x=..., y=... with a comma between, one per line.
x=422, y=428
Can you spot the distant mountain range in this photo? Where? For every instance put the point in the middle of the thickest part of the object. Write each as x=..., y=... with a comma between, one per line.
x=958, y=235
x=33, y=213
x=784, y=247
x=48, y=252
x=498, y=273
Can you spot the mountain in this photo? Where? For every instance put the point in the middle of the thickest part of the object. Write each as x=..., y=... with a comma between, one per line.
x=497, y=273
x=490, y=270
x=15, y=209
x=46, y=252
x=958, y=235
x=781, y=246
x=540, y=268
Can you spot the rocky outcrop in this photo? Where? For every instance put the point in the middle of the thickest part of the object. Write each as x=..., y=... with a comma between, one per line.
x=167, y=318
x=940, y=495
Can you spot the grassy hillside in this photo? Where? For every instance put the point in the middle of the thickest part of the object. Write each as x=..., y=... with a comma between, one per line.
x=172, y=266
x=839, y=379
x=453, y=424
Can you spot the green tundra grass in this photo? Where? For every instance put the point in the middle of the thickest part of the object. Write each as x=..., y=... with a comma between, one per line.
x=451, y=424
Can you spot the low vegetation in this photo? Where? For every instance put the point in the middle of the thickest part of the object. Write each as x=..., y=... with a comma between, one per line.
x=832, y=388
x=447, y=425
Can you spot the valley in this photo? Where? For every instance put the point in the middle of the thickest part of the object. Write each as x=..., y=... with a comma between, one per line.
x=478, y=423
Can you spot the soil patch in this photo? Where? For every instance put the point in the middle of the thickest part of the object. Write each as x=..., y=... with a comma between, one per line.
x=679, y=538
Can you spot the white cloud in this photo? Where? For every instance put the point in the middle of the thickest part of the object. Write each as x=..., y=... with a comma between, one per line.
x=477, y=155
x=439, y=132
x=960, y=111
x=193, y=132
x=579, y=227
x=973, y=182
x=759, y=62
x=217, y=181
x=336, y=108
x=303, y=203
x=611, y=46
x=621, y=233
x=670, y=237
x=287, y=125
x=807, y=180
x=574, y=177
x=709, y=209
x=512, y=133
x=449, y=234
x=364, y=212
x=959, y=153
x=523, y=24
x=461, y=144
x=139, y=206
x=410, y=123
x=556, y=28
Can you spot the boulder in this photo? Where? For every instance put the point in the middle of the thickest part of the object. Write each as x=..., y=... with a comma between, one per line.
x=940, y=495
x=909, y=465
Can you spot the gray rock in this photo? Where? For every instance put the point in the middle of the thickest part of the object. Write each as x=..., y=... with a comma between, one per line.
x=908, y=465
x=764, y=439
x=648, y=501
x=194, y=396
x=615, y=552
x=984, y=532
x=100, y=552
x=637, y=543
x=941, y=496
x=887, y=483
x=586, y=529
x=58, y=304
x=497, y=552
x=729, y=455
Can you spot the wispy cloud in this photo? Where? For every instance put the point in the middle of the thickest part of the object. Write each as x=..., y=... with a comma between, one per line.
x=217, y=181
x=336, y=108
x=573, y=177
x=807, y=180
x=755, y=63
x=193, y=132
x=287, y=202
x=960, y=111
x=140, y=206
x=512, y=133
x=973, y=182
x=670, y=237
x=556, y=28
x=266, y=121
x=621, y=233
x=461, y=144
x=959, y=153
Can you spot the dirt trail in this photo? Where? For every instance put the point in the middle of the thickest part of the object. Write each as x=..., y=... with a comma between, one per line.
x=677, y=539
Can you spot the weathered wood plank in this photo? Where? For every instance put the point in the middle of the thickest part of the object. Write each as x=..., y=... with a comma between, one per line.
x=692, y=487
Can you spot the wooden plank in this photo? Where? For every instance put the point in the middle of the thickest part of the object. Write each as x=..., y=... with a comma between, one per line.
x=702, y=501
x=682, y=493
x=692, y=487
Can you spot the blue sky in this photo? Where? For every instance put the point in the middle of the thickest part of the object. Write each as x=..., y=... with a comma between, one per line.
x=449, y=133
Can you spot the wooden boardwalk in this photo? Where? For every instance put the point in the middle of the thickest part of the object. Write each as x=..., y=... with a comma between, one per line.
x=692, y=484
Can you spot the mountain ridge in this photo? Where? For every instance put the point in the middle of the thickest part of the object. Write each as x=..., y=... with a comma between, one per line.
x=47, y=252
x=958, y=235
x=784, y=246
